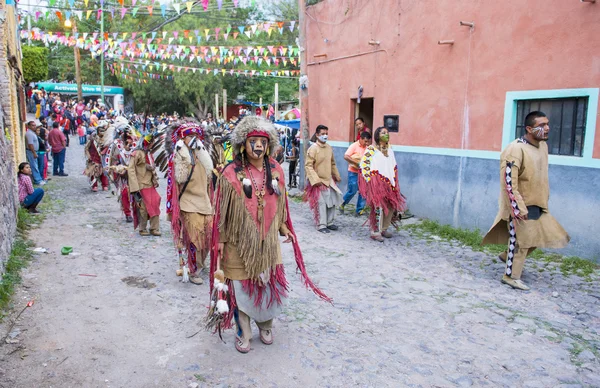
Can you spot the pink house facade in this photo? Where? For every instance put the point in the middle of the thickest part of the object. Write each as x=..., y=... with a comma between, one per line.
x=460, y=91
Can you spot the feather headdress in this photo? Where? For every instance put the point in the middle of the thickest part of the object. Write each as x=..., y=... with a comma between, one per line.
x=254, y=126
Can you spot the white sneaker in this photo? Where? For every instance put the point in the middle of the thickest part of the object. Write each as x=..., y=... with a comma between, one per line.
x=42, y=183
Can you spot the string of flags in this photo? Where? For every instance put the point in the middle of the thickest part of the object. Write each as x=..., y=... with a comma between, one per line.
x=150, y=69
x=119, y=48
x=191, y=36
x=68, y=9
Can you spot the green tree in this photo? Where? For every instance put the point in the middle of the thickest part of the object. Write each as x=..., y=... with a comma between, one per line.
x=35, y=63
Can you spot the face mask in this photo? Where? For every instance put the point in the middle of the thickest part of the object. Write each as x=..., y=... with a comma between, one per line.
x=323, y=138
x=384, y=138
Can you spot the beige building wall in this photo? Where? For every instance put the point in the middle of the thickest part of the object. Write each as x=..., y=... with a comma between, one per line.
x=11, y=82
x=12, y=114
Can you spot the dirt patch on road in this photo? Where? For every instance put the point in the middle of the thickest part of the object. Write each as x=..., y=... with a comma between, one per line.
x=138, y=281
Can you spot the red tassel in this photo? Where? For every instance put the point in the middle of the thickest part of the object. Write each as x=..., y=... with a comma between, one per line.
x=379, y=193
x=278, y=286
x=215, y=238
x=300, y=260
x=311, y=195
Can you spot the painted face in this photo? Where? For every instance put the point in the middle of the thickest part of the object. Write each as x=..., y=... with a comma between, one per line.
x=256, y=147
x=190, y=141
x=541, y=129
x=384, y=136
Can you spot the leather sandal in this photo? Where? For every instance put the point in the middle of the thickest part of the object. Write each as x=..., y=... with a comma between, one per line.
x=238, y=346
x=377, y=237
x=264, y=338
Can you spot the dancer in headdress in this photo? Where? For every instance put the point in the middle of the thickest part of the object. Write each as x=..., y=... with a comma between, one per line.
x=143, y=182
x=378, y=184
x=188, y=196
x=95, y=151
x=251, y=212
x=118, y=157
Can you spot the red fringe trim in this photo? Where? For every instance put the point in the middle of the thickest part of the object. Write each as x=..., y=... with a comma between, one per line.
x=311, y=195
x=254, y=288
x=214, y=247
x=251, y=287
x=379, y=193
x=300, y=260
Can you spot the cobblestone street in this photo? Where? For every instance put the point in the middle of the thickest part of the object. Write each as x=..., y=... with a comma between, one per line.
x=415, y=311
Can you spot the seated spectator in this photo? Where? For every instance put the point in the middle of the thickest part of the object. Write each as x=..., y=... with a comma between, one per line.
x=29, y=197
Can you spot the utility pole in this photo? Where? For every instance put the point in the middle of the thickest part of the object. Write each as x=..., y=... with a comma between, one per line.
x=260, y=105
x=102, y=51
x=28, y=29
x=304, y=126
x=77, y=65
x=225, y=104
x=216, y=106
x=276, y=101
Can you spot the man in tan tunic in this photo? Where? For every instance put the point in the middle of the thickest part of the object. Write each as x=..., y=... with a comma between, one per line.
x=322, y=193
x=523, y=217
x=189, y=201
x=143, y=182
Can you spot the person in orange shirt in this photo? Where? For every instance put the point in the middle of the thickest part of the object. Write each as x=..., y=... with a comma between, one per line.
x=353, y=156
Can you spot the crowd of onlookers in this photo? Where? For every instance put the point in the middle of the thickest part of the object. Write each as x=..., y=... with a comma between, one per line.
x=48, y=139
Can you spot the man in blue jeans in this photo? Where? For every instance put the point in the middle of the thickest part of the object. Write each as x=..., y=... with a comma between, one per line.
x=33, y=146
x=353, y=156
x=58, y=142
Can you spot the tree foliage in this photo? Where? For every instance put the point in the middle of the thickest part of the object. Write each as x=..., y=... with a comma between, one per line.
x=35, y=63
x=186, y=92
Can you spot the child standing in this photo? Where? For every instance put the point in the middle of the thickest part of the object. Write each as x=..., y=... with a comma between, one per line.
x=81, y=132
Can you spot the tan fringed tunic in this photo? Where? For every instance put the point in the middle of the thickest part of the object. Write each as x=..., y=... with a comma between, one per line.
x=528, y=166
x=251, y=240
x=320, y=165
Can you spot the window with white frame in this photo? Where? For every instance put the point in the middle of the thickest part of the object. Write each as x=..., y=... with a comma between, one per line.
x=567, y=118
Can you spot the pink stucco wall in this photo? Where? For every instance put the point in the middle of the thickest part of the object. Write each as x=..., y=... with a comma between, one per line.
x=446, y=96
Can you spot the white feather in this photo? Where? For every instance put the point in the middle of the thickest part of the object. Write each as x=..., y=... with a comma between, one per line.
x=275, y=185
x=205, y=159
x=222, y=307
x=186, y=274
x=246, y=182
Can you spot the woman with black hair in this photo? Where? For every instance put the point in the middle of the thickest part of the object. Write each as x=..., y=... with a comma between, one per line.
x=29, y=197
x=248, y=280
x=378, y=184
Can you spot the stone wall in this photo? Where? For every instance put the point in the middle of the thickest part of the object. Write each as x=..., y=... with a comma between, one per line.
x=11, y=81
x=8, y=196
x=12, y=149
